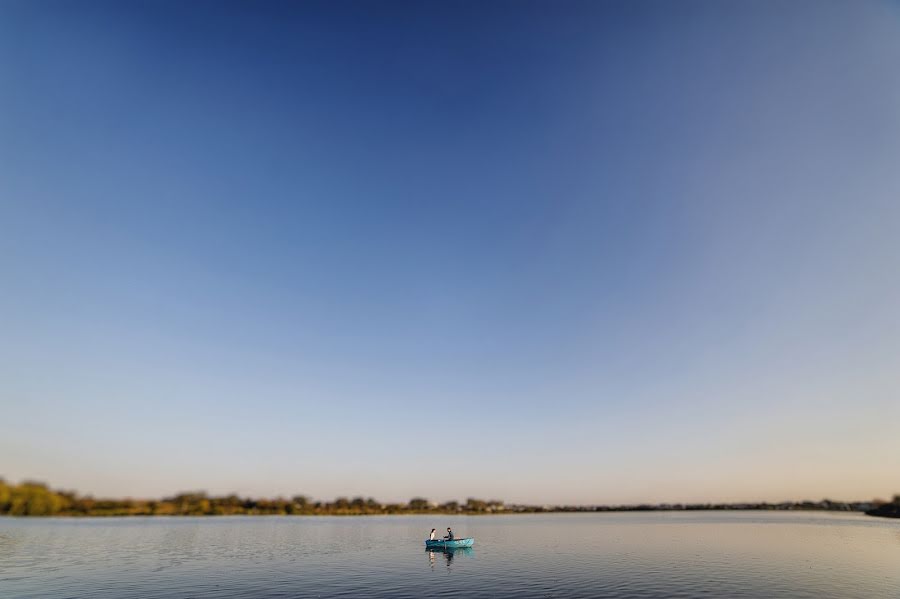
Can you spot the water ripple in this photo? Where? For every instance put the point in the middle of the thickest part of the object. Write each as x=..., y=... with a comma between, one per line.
x=740, y=555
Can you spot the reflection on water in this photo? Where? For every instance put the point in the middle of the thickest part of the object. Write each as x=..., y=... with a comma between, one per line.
x=448, y=554
x=752, y=555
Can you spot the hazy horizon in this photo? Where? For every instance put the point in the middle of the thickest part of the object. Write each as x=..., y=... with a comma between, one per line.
x=565, y=253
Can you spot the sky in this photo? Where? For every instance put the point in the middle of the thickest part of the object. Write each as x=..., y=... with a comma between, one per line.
x=545, y=252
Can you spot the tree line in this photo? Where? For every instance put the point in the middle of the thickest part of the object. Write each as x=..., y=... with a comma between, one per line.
x=32, y=498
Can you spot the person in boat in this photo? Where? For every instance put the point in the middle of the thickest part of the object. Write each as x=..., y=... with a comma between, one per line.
x=433, y=533
x=449, y=536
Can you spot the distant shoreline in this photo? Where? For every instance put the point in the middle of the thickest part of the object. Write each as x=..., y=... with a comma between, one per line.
x=585, y=510
x=887, y=510
x=33, y=499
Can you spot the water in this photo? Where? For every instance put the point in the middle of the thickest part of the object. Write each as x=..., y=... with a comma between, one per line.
x=706, y=554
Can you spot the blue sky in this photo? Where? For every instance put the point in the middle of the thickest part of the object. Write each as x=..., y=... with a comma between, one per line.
x=549, y=252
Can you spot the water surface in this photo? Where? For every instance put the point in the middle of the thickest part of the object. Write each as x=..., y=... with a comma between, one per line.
x=695, y=554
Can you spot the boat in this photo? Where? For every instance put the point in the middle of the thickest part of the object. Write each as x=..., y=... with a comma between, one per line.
x=449, y=543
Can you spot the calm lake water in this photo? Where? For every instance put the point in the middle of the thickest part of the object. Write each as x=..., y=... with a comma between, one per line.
x=706, y=554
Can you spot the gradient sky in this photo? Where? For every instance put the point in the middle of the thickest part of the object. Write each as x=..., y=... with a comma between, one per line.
x=591, y=252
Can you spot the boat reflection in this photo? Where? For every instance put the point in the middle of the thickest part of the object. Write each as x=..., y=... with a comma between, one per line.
x=448, y=553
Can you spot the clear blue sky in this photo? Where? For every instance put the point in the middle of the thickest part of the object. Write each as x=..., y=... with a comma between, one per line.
x=540, y=251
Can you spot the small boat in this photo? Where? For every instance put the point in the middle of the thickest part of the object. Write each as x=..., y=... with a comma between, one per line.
x=449, y=544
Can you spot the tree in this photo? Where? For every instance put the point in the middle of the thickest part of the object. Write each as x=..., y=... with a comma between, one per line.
x=34, y=499
x=5, y=496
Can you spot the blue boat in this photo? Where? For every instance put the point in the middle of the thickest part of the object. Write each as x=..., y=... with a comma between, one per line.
x=449, y=544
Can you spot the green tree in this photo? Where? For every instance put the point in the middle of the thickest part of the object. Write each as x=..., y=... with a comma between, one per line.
x=5, y=496
x=34, y=499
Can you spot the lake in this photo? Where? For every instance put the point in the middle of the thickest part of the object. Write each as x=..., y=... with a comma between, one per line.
x=674, y=554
